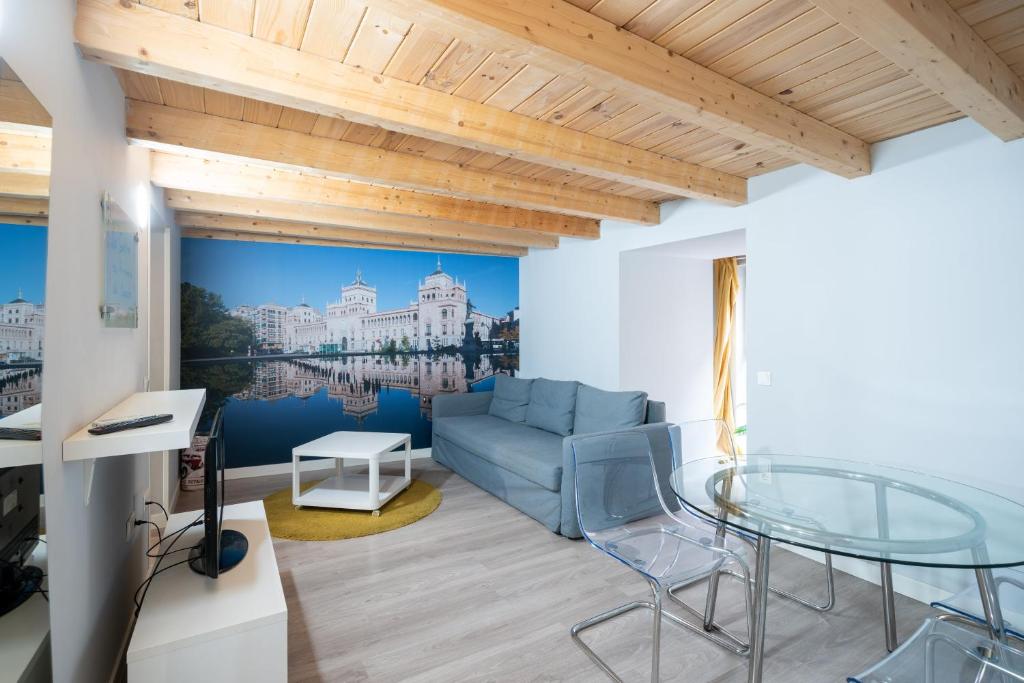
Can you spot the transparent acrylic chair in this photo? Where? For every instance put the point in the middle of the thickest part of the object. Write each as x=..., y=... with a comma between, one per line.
x=621, y=514
x=710, y=438
x=941, y=652
x=1010, y=587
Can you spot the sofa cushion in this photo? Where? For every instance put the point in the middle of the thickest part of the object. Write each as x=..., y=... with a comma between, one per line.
x=551, y=405
x=511, y=396
x=605, y=411
x=531, y=453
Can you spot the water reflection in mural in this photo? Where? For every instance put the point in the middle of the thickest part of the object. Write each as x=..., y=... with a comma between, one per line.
x=270, y=406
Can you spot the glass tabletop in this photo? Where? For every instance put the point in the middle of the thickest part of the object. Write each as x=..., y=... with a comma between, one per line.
x=872, y=512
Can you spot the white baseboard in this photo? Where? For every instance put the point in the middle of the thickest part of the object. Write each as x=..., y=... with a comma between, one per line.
x=311, y=465
x=869, y=571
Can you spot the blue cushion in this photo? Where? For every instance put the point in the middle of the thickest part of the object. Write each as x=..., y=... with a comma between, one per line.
x=551, y=406
x=605, y=411
x=511, y=396
x=531, y=453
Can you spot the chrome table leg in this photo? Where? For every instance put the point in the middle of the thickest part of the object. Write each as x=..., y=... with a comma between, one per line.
x=656, y=641
x=990, y=603
x=756, y=663
x=889, y=608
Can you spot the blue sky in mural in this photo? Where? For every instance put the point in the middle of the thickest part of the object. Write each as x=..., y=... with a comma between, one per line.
x=22, y=262
x=256, y=273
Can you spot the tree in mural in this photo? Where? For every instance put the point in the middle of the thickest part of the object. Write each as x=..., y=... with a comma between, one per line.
x=207, y=330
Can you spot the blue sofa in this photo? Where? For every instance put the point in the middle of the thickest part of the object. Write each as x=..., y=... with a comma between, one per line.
x=516, y=442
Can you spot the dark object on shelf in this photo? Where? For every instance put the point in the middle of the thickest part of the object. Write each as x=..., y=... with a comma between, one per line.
x=133, y=423
x=19, y=531
x=19, y=434
x=220, y=550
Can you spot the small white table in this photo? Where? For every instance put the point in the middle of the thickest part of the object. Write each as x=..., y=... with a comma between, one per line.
x=353, y=492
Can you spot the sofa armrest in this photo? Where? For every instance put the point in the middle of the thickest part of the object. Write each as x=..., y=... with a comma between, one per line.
x=661, y=448
x=453, y=405
x=655, y=412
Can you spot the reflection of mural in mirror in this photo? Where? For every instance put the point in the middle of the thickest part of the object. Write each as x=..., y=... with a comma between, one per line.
x=24, y=206
x=25, y=138
x=396, y=329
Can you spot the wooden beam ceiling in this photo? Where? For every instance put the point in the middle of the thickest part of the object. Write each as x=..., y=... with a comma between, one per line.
x=156, y=126
x=145, y=40
x=262, y=182
x=560, y=37
x=290, y=233
x=17, y=219
x=18, y=105
x=25, y=185
x=213, y=207
x=18, y=206
x=24, y=153
x=931, y=41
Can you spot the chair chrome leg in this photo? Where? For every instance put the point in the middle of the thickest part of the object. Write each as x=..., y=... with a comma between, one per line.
x=717, y=634
x=656, y=640
x=582, y=626
x=830, y=586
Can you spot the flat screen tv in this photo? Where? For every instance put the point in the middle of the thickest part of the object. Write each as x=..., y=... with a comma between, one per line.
x=221, y=549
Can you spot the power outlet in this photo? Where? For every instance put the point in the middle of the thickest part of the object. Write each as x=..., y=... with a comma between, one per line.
x=129, y=527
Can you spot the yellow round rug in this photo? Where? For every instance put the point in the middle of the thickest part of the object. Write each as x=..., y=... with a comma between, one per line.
x=326, y=524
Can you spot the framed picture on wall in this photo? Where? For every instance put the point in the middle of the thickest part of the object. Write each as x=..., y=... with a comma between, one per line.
x=120, y=306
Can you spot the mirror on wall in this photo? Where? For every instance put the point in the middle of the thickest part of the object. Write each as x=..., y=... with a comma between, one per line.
x=25, y=139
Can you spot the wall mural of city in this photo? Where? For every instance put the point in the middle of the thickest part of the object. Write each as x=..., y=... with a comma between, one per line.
x=295, y=341
x=22, y=315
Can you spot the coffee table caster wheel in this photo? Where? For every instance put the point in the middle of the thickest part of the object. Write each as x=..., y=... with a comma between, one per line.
x=376, y=513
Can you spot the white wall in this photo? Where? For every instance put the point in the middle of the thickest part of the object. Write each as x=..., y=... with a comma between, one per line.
x=666, y=321
x=887, y=308
x=93, y=571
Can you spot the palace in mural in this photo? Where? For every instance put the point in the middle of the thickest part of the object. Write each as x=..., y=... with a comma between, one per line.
x=437, y=318
x=21, y=330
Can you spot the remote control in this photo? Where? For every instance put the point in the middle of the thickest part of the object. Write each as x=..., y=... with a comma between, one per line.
x=17, y=434
x=133, y=423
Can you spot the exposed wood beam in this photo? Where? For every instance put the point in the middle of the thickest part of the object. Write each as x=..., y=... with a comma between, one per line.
x=931, y=41
x=262, y=182
x=24, y=153
x=299, y=234
x=28, y=185
x=567, y=40
x=18, y=105
x=155, y=125
x=16, y=219
x=212, y=205
x=142, y=39
x=17, y=206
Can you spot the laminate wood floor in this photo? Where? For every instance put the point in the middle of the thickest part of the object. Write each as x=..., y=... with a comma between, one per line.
x=478, y=591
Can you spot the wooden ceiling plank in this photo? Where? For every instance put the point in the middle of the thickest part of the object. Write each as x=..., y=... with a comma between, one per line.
x=341, y=217
x=234, y=15
x=562, y=38
x=182, y=96
x=376, y=41
x=155, y=125
x=110, y=32
x=928, y=39
x=263, y=182
x=139, y=86
x=311, y=236
x=417, y=54
x=18, y=219
x=281, y=21
x=331, y=27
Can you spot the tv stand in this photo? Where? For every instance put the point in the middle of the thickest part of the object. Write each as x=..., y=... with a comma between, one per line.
x=233, y=547
x=230, y=629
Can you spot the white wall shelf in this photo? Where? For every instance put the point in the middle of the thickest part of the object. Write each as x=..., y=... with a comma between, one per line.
x=17, y=453
x=185, y=405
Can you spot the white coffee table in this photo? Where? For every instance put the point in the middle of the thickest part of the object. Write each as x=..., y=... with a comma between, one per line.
x=352, y=492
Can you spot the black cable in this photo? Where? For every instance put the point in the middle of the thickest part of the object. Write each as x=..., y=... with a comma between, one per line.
x=144, y=586
x=162, y=508
x=159, y=534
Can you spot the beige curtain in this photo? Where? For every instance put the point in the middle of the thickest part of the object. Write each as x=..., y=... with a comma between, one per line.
x=727, y=287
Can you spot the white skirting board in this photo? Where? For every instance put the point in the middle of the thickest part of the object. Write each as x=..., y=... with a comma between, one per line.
x=310, y=465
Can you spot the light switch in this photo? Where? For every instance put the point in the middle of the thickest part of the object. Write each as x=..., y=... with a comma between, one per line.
x=764, y=378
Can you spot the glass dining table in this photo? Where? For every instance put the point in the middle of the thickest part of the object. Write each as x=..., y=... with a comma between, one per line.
x=861, y=510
